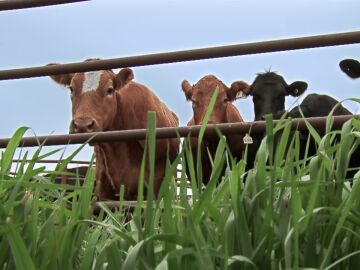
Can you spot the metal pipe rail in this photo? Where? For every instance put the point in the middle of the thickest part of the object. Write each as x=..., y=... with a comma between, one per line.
x=187, y=55
x=53, y=161
x=21, y=4
x=257, y=127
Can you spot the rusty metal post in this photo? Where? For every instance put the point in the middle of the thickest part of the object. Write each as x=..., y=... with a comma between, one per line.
x=187, y=55
x=174, y=132
x=21, y=4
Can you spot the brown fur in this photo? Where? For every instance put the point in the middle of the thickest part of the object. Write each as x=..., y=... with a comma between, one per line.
x=224, y=112
x=126, y=108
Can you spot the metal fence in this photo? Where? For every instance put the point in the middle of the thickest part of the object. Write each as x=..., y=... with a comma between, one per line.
x=163, y=58
x=21, y=4
x=188, y=55
x=162, y=133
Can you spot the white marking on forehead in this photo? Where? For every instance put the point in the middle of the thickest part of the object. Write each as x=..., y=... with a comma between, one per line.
x=91, y=81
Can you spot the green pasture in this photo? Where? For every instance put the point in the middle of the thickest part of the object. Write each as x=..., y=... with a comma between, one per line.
x=287, y=212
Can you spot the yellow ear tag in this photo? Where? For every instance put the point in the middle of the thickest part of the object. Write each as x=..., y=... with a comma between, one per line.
x=240, y=94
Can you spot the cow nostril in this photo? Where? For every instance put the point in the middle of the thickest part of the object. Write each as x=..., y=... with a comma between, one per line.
x=75, y=124
x=83, y=125
x=91, y=124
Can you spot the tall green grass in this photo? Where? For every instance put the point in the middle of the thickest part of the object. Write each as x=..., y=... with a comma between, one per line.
x=287, y=212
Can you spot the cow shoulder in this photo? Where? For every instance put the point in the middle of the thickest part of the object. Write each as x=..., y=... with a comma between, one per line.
x=136, y=101
x=172, y=118
x=316, y=105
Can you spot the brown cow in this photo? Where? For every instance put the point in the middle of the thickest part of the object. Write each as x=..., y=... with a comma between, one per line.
x=224, y=112
x=105, y=101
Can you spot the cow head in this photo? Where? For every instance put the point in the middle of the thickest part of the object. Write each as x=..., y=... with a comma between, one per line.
x=94, y=98
x=351, y=67
x=200, y=95
x=269, y=91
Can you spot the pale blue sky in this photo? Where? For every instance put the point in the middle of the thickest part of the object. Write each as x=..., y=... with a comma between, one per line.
x=109, y=29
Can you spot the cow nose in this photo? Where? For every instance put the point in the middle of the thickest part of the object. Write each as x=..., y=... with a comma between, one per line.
x=81, y=125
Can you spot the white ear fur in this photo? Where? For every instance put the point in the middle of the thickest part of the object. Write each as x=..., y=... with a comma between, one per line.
x=240, y=94
x=238, y=89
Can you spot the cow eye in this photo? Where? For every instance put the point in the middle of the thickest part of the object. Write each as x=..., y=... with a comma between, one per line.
x=110, y=91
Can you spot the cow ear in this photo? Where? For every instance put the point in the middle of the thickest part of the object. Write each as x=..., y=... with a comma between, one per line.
x=297, y=88
x=351, y=67
x=62, y=79
x=124, y=76
x=238, y=89
x=187, y=88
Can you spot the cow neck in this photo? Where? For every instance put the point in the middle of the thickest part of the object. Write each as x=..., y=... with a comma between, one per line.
x=106, y=149
x=131, y=104
x=101, y=150
x=118, y=123
x=227, y=109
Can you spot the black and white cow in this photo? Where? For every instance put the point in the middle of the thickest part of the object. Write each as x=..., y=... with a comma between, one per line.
x=269, y=91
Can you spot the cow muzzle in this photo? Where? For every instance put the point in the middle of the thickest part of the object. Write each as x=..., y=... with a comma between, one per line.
x=210, y=122
x=83, y=125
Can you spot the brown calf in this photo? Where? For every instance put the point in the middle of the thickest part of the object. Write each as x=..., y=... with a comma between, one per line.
x=224, y=112
x=105, y=101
